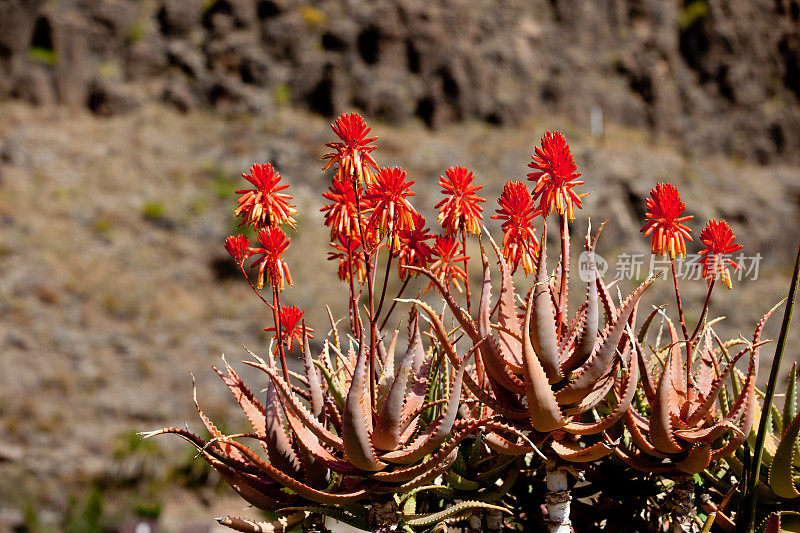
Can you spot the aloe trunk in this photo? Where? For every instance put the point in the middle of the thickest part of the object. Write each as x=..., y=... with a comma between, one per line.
x=315, y=523
x=383, y=517
x=683, y=510
x=476, y=522
x=557, y=498
x=494, y=521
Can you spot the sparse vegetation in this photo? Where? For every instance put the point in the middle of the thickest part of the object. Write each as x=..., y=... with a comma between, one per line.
x=44, y=55
x=692, y=12
x=153, y=211
x=313, y=17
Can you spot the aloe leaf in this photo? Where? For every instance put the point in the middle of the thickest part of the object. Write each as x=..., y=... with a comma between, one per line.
x=356, y=419
x=433, y=518
x=332, y=512
x=750, y=498
x=279, y=525
x=780, y=472
x=332, y=386
x=790, y=403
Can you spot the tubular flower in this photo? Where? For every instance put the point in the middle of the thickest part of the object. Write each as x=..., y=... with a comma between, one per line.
x=353, y=154
x=719, y=241
x=271, y=268
x=445, y=268
x=342, y=214
x=350, y=257
x=517, y=211
x=388, y=201
x=239, y=248
x=413, y=249
x=292, y=326
x=265, y=205
x=555, y=177
x=461, y=209
x=664, y=208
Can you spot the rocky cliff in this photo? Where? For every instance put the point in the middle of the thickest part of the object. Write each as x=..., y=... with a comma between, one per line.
x=721, y=76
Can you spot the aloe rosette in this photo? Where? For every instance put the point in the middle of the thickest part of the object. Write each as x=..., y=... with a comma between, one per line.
x=545, y=376
x=340, y=449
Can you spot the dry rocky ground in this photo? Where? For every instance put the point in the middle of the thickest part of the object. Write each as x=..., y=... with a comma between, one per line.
x=114, y=284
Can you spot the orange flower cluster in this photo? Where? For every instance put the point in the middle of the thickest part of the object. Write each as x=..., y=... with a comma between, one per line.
x=292, y=326
x=446, y=267
x=413, y=250
x=460, y=210
x=342, y=214
x=351, y=261
x=517, y=211
x=352, y=155
x=272, y=269
x=664, y=209
x=239, y=248
x=265, y=205
x=387, y=198
x=555, y=176
x=719, y=241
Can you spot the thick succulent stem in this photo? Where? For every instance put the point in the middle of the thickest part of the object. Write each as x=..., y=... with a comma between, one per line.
x=682, y=497
x=494, y=521
x=475, y=523
x=315, y=524
x=383, y=517
x=557, y=498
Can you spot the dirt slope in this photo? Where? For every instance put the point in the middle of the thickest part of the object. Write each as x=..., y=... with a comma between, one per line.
x=114, y=284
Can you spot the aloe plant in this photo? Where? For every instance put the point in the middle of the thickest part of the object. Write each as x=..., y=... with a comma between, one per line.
x=776, y=486
x=341, y=450
x=561, y=372
x=750, y=497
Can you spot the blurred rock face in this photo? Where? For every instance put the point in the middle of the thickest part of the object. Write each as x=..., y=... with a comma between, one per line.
x=724, y=76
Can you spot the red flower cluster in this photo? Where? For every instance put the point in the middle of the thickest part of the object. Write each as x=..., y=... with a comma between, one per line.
x=342, y=215
x=271, y=268
x=351, y=259
x=445, y=267
x=292, y=326
x=460, y=210
x=239, y=248
x=413, y=250
x=556, y=176
x=388, y=201
x=353, y=154
x=517, y=211
x=720, y=241
x=664, y=209
x=265, y=205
